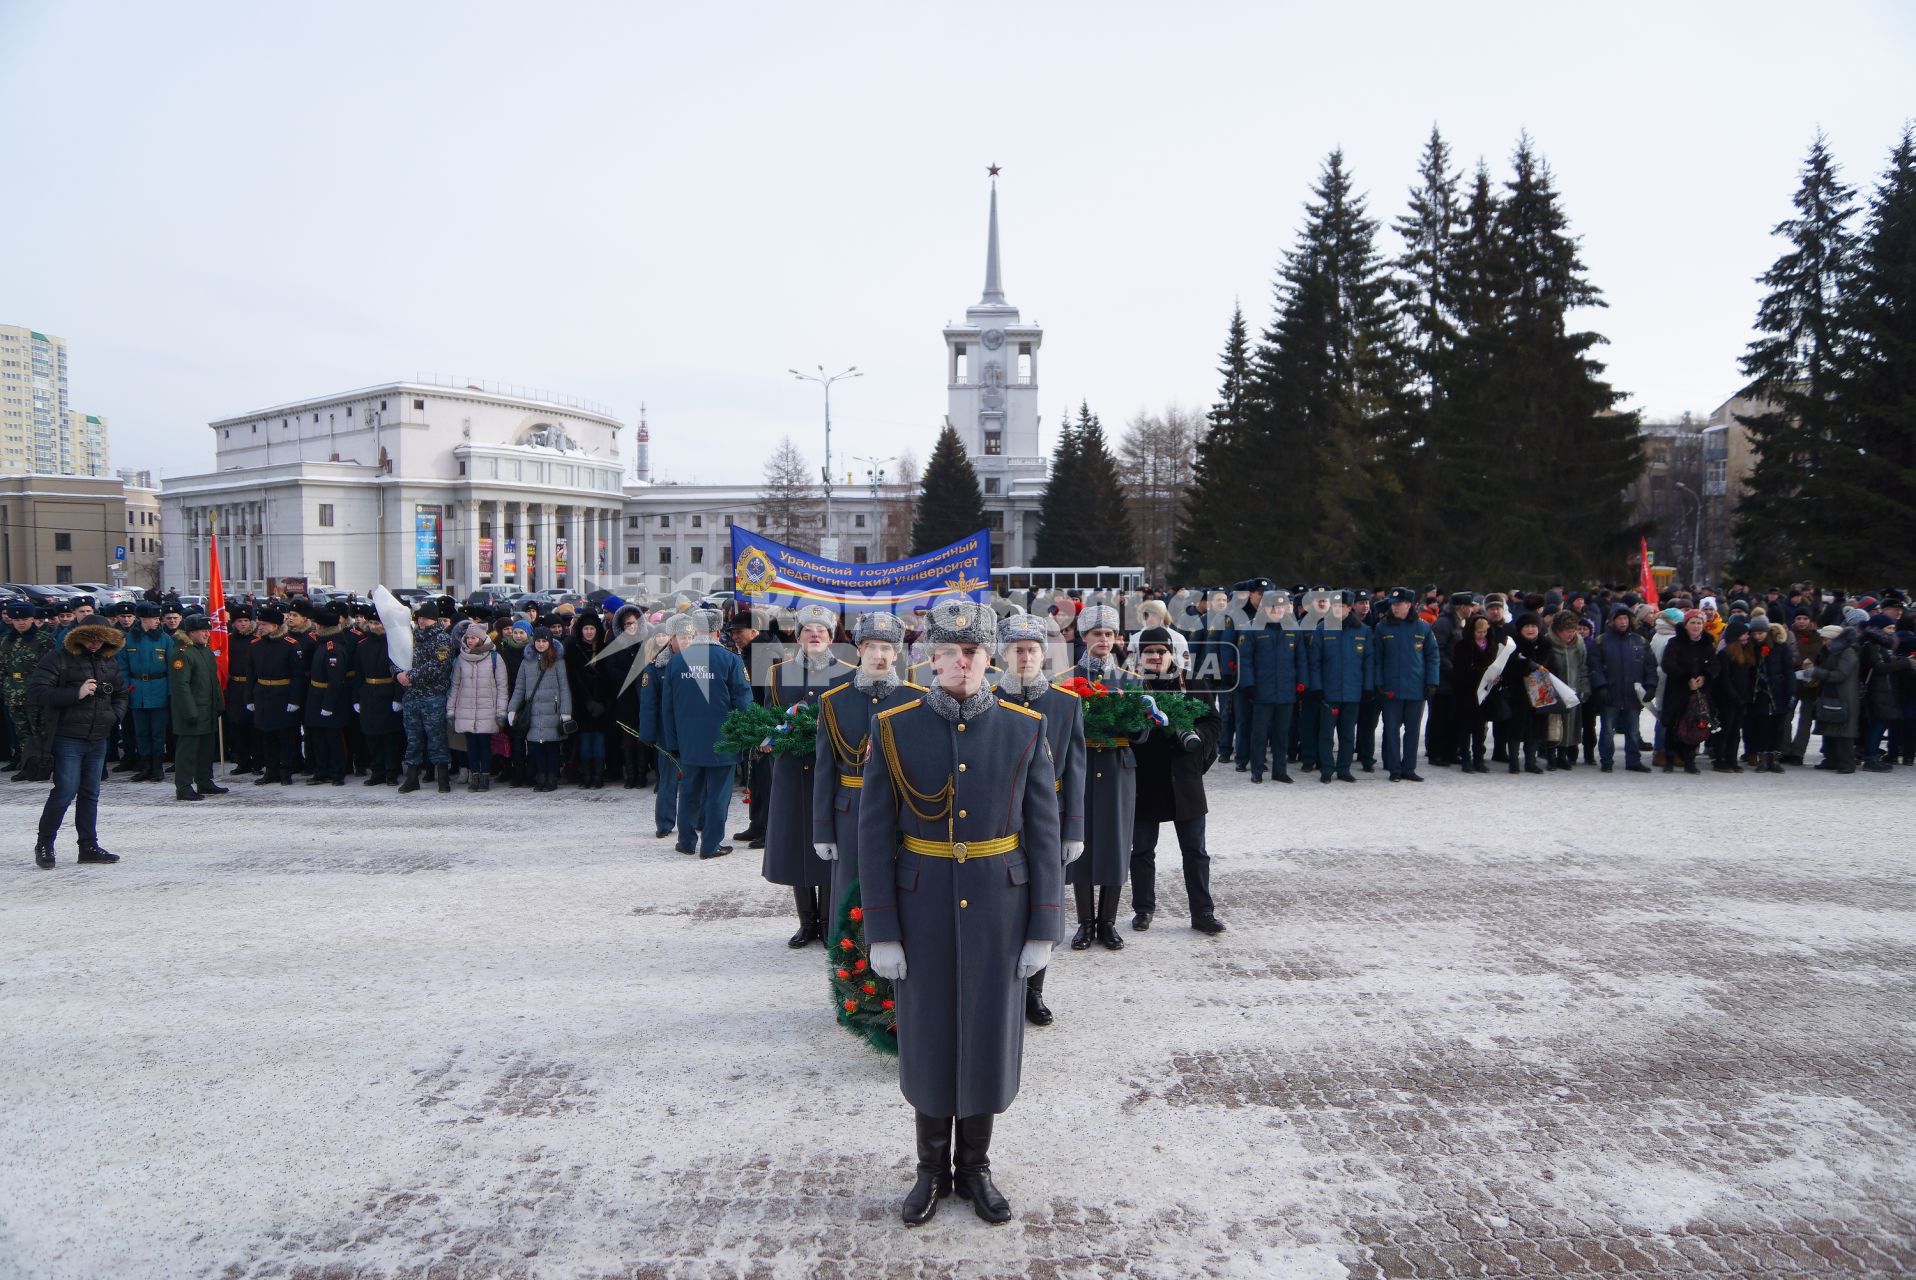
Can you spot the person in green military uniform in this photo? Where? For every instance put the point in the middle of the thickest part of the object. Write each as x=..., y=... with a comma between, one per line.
x=26, y=643
x=195, y=701
x=144, y=663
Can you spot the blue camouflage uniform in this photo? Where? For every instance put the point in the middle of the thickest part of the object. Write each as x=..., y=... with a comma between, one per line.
x=704, y=683
x=1344, y=660
x=1406, y=673
x=1274, y=667
x=423, y=707
x=145, y=661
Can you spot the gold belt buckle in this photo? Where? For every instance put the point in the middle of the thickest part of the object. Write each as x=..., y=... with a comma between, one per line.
x=960, y=851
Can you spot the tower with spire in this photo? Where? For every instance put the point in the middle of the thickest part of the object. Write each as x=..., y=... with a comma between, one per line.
x=991, y=376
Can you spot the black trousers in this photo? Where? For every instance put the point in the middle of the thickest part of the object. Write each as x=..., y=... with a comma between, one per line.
x=328, y=753
x=279, y=751
x=1144, y=867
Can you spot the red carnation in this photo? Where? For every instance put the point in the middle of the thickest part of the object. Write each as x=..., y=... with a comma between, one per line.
x=888, y=1004
x=859, y=965
x=858, y=913
x=846, y=944
x=870, y=990
x=844, y=975
x=851, y=1006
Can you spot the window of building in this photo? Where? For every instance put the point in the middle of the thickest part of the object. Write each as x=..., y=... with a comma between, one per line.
x=631, y=522
x=995, y=521
x=327, y=572
x=728, y=521
x=994, y=443
x=960, y=363
x=861, y=555
x=698, y=522
x=382, y=406
x=991, y=484
x=226, y=434
x=316, y=415
x=256, y=428
x=698, y=555
x=635, y=555
x=349, y=411
x=326, y=518
x=665, y=522
x=858, y=520
x=418, y=404
x=1027, y=364
x=462, y=466
x=665, y=555
x=63, y=573
x=63, y=542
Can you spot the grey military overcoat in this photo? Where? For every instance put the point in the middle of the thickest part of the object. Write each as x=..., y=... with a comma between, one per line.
x=789, y=859
x=963, y=924
x=845, y=715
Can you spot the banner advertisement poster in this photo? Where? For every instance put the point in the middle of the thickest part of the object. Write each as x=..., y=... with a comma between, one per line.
x=509, y=560
x=426, y=545
x=768, y=572
x=558, y=555
x=485, y=557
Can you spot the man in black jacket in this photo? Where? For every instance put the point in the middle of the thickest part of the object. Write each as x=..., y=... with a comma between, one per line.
x=1171, y=789
x=84, y=697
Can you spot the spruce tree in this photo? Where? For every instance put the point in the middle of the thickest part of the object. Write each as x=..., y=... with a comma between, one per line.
x=1570, y=454
x=1461, y=485
x=1330, y=396
x=1105, y=530
x=950, y=504
x=1216, y=504
x=1869, y=534
x=1061, y=507
x=1430, y=229
x=1794, y=368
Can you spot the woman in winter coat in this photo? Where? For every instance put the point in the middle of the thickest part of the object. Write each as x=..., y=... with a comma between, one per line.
x=1470, y=657
x=1688, y=662
x=1523, y=724
x=542, y=704
x=1773, y=696
x=1882, y=696
x=589, y=697
x=1569, y=660
x=1732, y=690
x=477, y=699
x=1839, y=710
x=635, y=757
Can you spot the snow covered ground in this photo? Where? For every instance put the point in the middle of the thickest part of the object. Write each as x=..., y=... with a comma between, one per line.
x=1483, y=1026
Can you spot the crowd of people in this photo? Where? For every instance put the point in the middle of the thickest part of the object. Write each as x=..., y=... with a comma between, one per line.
x=1311, y=677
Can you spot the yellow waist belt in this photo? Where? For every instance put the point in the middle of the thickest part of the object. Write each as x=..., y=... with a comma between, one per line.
x=852, y=780
x=960, y=850
x=276, y=684
x=379, y=679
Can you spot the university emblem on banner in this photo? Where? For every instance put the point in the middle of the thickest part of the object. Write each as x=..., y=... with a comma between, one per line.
x=754, y=572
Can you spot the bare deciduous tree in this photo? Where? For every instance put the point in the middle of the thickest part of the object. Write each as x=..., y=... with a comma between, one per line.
x=788, y=502
x=1155, y=460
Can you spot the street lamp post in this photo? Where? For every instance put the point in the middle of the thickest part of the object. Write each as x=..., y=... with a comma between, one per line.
x=825, y=380
x=875, y=477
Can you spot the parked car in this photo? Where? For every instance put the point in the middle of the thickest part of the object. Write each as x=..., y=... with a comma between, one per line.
x=42, y=593
x=412, y=597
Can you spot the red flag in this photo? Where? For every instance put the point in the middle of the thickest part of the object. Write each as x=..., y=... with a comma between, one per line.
x=1648, y=585
x=216, y=609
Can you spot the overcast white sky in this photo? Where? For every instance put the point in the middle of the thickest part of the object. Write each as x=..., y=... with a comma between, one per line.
x=224, y=206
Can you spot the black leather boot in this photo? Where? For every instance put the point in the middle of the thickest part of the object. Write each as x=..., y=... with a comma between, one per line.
x=971, y=1169
x=442, y=774
x=1108, y=933
x=94, y=853
x=1081, y=940
x=934, y=1169
x=412, y=780
x=1037, y=1012
x=810, y=930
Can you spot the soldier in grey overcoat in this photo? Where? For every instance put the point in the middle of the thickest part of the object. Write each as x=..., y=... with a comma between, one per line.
x=810, y=671
x=845, y=715
x=960, y=866
x=1110, y=796
x=1022, y=644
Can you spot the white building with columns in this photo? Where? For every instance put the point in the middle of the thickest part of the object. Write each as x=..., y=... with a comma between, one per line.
x=406, y=484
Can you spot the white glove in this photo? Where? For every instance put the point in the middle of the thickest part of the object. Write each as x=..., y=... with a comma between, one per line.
x=888, y=960
x=395, y=706
x=1643, y=695
x=1073, y=850
x=1035, y=956
x=510, y=717
x=249, y=706
x=355, y=708
x=292, y=706
x=828, y=852
x=324, y=712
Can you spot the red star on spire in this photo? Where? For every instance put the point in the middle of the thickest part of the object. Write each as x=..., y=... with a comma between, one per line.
x=993, y=170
